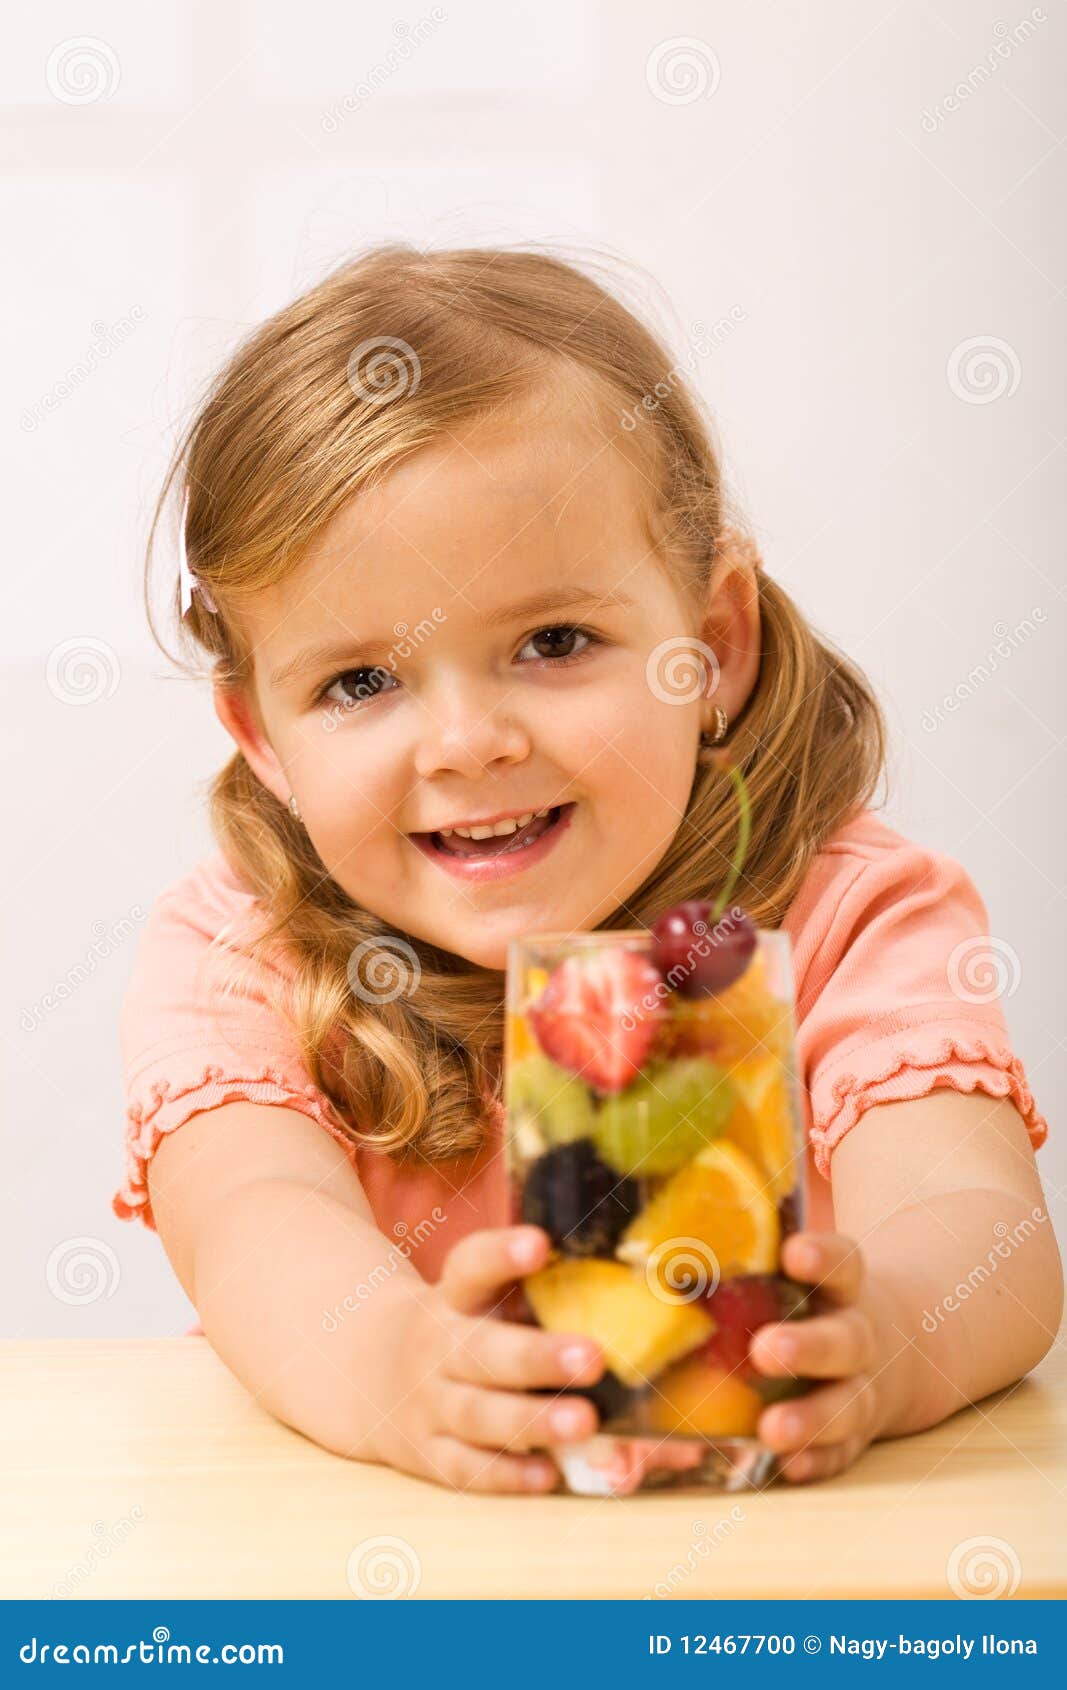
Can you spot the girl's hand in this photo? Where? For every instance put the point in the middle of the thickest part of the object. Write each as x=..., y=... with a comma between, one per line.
x=819, y=1434
x=458, y=1404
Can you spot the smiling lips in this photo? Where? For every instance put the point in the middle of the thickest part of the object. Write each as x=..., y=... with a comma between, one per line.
x=495, y=855
x=487, y=830
x=513, y=834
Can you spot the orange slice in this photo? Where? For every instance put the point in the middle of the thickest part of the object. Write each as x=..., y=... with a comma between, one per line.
x=713, y=1218
x=762, y=1125
x=521, y=1042
x=697, y=1397
x=744, y=1023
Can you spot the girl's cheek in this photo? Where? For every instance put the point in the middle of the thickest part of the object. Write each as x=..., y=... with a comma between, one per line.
x=642, y=746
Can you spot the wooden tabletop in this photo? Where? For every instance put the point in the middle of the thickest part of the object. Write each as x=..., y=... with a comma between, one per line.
x=141, y=1468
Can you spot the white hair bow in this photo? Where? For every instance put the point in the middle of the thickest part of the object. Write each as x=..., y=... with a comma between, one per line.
x=190, y=583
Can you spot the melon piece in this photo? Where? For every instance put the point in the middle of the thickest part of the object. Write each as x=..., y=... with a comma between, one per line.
x=639, y=1332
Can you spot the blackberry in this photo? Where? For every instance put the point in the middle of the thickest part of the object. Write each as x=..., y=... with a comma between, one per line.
x=609, y=1396
x=580, y=1202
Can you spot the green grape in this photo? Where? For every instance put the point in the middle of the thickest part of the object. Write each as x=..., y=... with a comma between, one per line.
x=558, y=1103
x=667, y=1115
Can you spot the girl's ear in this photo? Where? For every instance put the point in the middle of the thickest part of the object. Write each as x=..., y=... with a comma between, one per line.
x=731, y=627
x=239, y=717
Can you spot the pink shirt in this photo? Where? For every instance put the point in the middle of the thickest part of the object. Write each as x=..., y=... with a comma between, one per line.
x=893, y=1000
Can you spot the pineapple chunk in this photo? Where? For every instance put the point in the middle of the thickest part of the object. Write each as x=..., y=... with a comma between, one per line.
x=639, y=1331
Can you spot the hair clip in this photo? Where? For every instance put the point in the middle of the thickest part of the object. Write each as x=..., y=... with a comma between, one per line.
x=190, y=583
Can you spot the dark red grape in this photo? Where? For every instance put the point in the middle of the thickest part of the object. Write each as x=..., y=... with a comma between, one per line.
x=789, y=1214
x=740, y=1306
x=697, y=955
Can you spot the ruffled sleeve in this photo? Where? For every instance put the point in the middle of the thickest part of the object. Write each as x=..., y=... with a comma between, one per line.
x=198, y=1029
x=899, y=986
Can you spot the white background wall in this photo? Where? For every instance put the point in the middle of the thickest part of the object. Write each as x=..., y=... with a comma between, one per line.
x=908, y=491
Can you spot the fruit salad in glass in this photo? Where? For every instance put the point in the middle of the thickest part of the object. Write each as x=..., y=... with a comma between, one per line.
x=654, y=1133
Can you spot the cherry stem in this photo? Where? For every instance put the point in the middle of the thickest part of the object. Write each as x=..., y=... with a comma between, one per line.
x=744, y=833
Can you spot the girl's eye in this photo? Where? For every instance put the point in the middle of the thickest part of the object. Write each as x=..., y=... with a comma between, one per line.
x=361, y=686
x=366, y=684
x=558, y=637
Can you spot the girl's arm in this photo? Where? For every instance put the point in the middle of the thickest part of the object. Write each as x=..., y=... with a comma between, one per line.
x=945, y=1272
x=944, y=1199
x=334, y=1331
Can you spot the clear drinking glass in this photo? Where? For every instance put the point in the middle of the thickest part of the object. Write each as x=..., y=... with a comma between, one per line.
x=658, y=1140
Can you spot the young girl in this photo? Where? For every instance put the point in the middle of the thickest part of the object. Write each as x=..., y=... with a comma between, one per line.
x=461, y=556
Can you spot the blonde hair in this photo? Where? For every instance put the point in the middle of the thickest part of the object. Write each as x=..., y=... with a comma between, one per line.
x=292, y=429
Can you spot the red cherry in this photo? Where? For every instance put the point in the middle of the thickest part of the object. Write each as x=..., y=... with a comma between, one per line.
x=697, y=955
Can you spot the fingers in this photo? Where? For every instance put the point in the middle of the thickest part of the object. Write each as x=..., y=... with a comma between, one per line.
x=511, y=1420
x=810, y=1464
x=452, y=1462
x=501, y=1353
x=480, y=1269
x=830, y=1415
x=829, y=1346
x=829, y=1260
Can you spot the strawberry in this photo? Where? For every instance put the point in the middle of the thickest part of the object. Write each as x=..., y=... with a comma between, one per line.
x=598, y=1015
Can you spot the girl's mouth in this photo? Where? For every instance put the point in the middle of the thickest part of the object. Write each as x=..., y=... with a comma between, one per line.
x=500, y=855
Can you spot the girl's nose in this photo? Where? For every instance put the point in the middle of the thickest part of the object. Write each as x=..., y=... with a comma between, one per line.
x=466, y=732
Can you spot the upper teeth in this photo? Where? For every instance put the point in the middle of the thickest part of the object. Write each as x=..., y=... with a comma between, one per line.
x=511, y=824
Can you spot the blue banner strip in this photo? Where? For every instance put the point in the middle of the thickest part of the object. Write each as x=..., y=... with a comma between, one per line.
x=551, y=1645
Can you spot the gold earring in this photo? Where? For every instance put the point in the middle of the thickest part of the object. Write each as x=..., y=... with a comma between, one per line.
x=716, y=734
x=293, y=810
